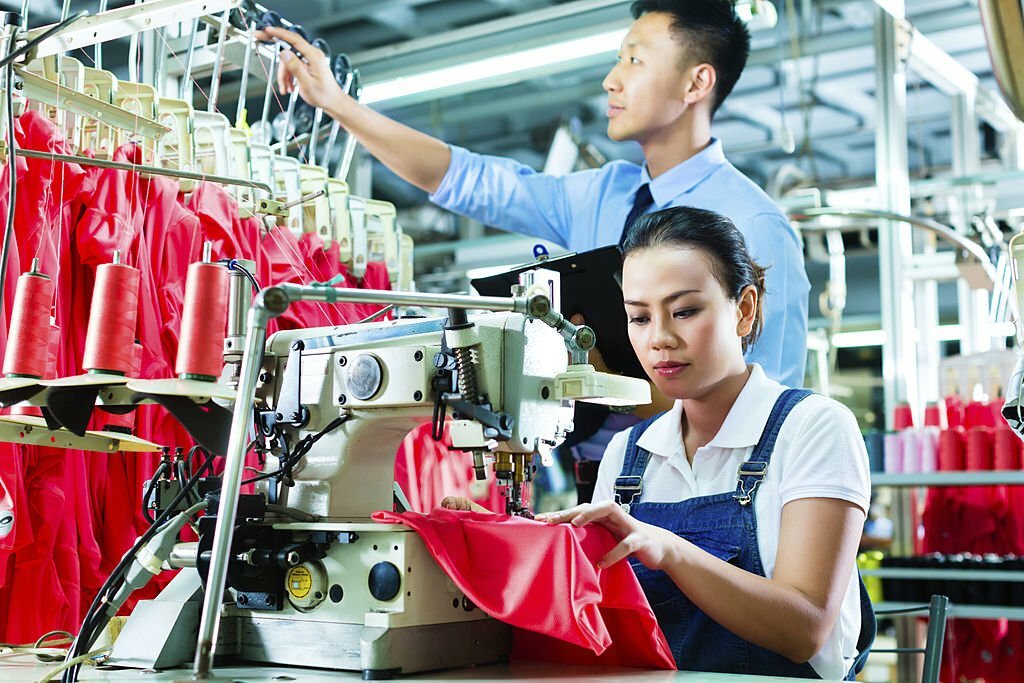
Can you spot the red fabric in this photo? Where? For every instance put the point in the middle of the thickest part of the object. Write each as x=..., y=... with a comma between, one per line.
x=542, y=579
x=428, y=470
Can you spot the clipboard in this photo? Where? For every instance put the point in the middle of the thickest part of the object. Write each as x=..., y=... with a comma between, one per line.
x=591, y=286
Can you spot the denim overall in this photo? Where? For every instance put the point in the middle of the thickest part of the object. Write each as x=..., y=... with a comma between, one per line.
x=724, y=525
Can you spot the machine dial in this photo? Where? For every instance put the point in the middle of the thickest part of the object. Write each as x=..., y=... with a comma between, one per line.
x=365, y=376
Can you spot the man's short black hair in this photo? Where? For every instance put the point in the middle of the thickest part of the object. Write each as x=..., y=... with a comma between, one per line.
x=710, y=33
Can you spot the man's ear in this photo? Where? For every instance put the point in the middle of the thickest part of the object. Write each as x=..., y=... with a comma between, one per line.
x=701, y=84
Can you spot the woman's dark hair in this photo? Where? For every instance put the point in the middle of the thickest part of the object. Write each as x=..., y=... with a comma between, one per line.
x=714, y=235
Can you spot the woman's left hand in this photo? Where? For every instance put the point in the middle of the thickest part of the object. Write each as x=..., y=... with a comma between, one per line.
x=653, y=546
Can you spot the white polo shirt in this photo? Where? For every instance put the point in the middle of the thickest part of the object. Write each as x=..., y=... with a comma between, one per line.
x=819, y=453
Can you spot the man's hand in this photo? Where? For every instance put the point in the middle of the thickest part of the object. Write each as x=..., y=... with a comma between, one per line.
x=460, y=503
x=311, y=75
x=653, y=546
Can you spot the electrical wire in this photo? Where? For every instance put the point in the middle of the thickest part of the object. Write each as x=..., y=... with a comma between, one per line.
x=233, y=264
x=151, y=491
x=12, y=169
x=301, y=448
x=48, y=33
x=95, y=615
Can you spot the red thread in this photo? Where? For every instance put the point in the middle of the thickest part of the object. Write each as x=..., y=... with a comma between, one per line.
x=1007, y=450
x=109, y=341
x=204, y=321
x=29, y=341
x=979, y=449
x=951, y=450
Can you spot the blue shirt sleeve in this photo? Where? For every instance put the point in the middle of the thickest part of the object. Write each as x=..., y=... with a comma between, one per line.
x=782, y=348
x=511, y=196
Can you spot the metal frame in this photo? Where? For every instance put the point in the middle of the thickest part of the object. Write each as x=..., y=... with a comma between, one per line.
x=125, y=22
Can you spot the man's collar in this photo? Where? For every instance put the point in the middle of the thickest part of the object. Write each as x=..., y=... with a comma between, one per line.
x=685, y=175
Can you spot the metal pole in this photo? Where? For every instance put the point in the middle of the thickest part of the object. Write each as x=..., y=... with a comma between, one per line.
x=218, y=63
x=350, y=147
x=252, y=359
x=972, y=304
x=246, y=65
x=899, y=369
x=186, y=78
x=382, y=296
x=98, y=48
x=155, y=170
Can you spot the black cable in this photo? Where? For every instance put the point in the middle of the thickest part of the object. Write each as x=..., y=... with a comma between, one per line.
x=150, y=492
x=233, y=264
x=12, y=169
x=56, y=28
x=301, y=449
x=94, y=616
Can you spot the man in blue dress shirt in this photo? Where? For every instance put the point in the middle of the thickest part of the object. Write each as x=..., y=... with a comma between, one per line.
x=677, y=64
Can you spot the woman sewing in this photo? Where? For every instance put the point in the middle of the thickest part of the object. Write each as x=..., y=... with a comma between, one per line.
x=740, y=508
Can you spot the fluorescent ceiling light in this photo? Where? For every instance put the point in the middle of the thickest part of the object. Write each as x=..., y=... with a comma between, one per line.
x=512, y=67
x=497, y=68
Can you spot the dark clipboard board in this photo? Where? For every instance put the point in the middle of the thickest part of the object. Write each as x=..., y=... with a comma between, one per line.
x=590, y=285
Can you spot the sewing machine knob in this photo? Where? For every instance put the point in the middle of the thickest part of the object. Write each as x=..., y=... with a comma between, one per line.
x=385, y=581
x=365, y=376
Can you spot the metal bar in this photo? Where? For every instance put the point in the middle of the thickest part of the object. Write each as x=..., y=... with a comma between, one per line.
x=379, y=296
x=40, y=89
x=938, y=228
x=892, y=177
x=124, y=22
x=936, y=637
x=244, y=85
x=186, y=79
x=350, y=148
x=154, y=170
x=983, y=575
x=218, y=63
x=231, y=481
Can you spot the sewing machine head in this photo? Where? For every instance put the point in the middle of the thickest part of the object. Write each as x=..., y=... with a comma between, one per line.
x=334, y=404
x=495, y=374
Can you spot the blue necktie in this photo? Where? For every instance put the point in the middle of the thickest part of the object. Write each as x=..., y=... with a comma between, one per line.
x=641, y=203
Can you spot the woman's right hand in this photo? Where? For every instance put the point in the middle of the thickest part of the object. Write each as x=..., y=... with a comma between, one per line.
x=311, y=74
x=460, y=503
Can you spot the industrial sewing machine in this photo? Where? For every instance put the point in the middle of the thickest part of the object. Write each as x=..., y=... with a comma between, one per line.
x=311, y=579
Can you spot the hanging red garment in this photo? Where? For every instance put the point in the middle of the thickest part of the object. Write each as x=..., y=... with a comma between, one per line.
x=542, y=579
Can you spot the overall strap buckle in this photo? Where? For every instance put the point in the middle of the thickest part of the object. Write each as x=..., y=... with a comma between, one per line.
x=748, y=478
x=631, y=486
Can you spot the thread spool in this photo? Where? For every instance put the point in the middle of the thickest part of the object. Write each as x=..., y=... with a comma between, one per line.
x=978, y=414
x=934, y=416
x=911, y=450
x=978, y=451
x=928, y=445
x=29, y=341
x=1006, y=450
x=109, y=340
x=903, y=417
x=893, y=444
x=204, y=322
x=951, y=450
